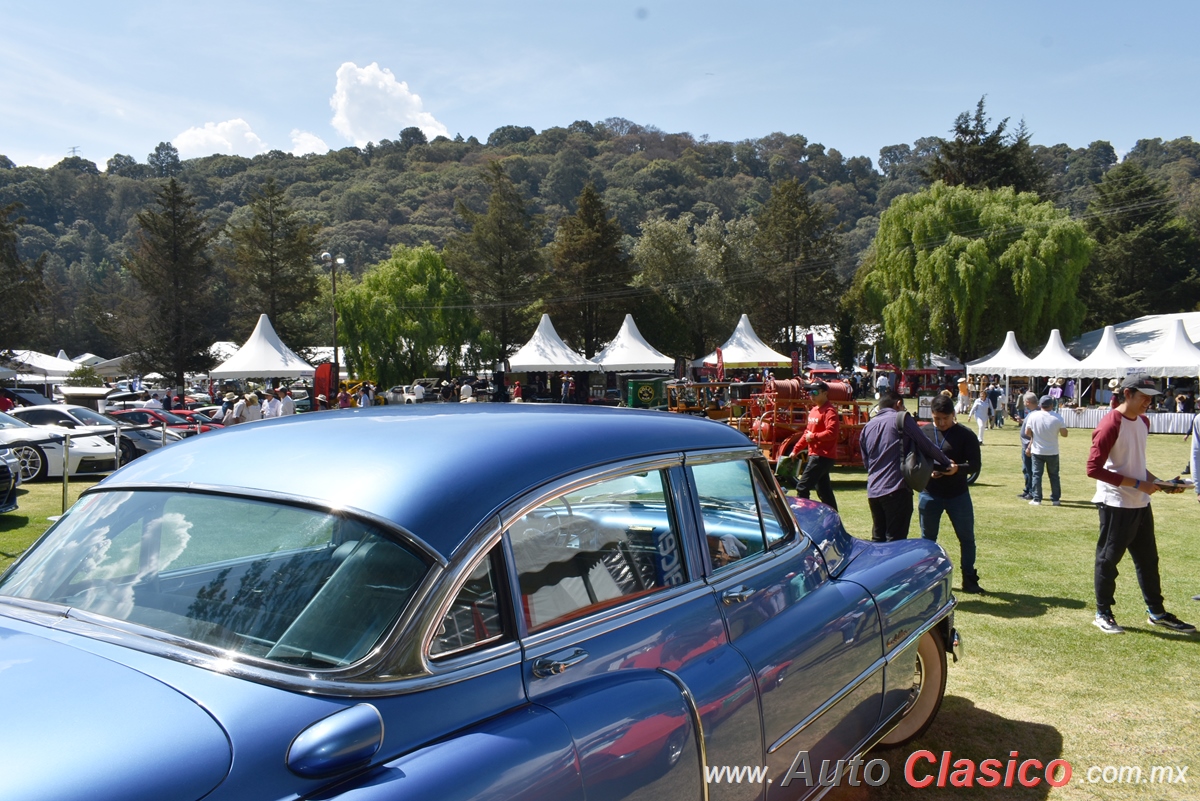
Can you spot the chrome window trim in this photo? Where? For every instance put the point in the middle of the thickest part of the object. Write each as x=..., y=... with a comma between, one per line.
x=698, y=722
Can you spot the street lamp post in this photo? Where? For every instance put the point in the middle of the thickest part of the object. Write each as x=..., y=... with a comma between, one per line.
x=333, y=264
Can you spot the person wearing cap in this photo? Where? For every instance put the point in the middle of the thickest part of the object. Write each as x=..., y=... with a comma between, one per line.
x=322, y=403
x=820, y=440
x=883, y=443
x=1031, y=406
x=1043, y=428
x=1115, y=386
x=950, y=493
x=1117, y=460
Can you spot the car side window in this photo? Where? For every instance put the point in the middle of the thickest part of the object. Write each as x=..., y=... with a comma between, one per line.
x=595, y=547
x=41, y=417
x=729, y=504
x=773, y=528
x=474, y=617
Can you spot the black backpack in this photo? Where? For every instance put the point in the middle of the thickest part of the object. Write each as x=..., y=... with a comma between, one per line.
x=914, y=464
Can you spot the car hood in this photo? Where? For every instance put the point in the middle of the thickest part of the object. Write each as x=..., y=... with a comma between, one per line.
x=79, y=726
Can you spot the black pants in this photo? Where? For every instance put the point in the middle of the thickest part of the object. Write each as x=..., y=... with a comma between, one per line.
x=816, y=476
x=891, y=515
x=1124, y=530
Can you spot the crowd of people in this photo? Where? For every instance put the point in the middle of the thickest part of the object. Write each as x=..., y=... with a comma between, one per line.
x=902, y=461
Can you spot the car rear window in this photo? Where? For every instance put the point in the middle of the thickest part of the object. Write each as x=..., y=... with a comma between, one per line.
x=283, y=583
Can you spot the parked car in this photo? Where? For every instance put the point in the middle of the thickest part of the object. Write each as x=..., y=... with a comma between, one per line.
x=158, y=417
x=197, y=416
x=10, y=479
x=71, y=419
x=40, y=452
x=402, y=394
x=619, y=598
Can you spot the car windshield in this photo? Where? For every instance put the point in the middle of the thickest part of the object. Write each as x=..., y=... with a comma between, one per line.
x=287, y=584
x=8, y=421
x=90, y=418
x=174, y=419
x=200, y=417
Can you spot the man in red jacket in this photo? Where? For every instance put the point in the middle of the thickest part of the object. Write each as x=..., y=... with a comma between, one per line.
x=820, y=440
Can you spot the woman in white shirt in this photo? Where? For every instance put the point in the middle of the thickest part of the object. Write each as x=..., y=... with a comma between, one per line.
x=981, y=411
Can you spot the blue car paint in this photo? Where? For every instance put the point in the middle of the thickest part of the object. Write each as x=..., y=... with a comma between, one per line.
x=117, y=734
x=543, y=738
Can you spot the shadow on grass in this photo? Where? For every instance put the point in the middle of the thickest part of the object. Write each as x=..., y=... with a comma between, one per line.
x=12, y=522
x=1149, y=631
x=1015, y=605
x=971, y=733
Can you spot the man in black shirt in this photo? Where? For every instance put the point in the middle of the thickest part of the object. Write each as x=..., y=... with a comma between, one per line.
x=950, y=493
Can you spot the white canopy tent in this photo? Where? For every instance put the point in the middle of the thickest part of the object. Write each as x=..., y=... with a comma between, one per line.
x=1108, y=360
x=37, y=368
x=1176, y=355
x=629, y=350
x=263, y=356
x=1010, y=360
x=745, y=349
x=1143, y=336
x=1055, y=360
x=545, y=351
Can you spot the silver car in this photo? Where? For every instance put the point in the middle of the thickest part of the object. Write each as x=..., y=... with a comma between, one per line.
x=64, y=418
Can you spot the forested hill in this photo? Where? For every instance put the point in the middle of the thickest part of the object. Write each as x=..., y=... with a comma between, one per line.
x=367, y=200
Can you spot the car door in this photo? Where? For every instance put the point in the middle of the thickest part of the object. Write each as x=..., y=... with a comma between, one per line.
x=622, y=638
x=813, y=643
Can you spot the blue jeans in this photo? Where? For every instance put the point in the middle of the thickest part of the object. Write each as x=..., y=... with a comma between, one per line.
x=1027, y=471
x=962, y=516
x=1048, y=464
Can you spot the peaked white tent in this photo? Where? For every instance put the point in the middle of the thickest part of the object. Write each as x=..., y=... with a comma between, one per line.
x=1010, y=360
x=545, y=351
x=1176, y=355
x=1109, y=359
x=263, y=356
x=745, y=349
x=1054, y=360
x=629, y=350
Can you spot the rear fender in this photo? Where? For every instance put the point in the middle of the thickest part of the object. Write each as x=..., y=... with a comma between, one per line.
x=910, y=581
x=823, y=525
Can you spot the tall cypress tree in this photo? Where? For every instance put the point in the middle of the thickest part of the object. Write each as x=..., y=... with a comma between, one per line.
x=273, y=269
x=500, y=259
x=588, y=267
x=172, y=266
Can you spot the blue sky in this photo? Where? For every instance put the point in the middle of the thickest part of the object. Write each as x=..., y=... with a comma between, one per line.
x=303, y=75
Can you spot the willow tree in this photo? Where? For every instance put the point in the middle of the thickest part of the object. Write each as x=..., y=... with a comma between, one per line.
x=403, y=316
x=954, y=268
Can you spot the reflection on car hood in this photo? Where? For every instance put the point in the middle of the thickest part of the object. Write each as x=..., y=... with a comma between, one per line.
x=90, y=728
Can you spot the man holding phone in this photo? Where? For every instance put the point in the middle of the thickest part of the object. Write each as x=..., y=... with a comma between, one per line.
x=950, y=493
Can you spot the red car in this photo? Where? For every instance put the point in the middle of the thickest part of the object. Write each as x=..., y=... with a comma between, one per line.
x=156, y=417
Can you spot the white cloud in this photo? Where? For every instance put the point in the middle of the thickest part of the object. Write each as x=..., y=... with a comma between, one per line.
x=304, y=143
x=232, y=136
x=369, y=104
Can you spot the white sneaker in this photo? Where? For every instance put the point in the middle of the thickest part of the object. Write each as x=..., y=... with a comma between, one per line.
x=1035, y=503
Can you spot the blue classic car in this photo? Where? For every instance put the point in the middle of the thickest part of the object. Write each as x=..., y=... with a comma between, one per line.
x=559, y=603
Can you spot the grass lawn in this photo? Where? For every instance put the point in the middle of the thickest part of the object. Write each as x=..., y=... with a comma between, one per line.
x=1037, y=677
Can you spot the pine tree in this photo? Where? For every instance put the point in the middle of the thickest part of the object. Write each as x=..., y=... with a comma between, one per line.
x=273, y=270
x=22, y=283
x=589, y=266
x=172, y=266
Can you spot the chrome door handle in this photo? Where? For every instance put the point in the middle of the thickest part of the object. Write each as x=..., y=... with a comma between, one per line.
x=736, y=595
x=554, y=664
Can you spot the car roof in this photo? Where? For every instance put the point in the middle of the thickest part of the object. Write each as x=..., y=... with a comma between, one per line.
x=437, y=471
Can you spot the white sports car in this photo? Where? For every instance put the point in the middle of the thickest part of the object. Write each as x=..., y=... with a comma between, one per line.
x=40, y=452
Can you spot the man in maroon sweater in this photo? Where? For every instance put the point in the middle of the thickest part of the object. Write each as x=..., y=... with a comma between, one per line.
x=820, y=439
x=1117, y=461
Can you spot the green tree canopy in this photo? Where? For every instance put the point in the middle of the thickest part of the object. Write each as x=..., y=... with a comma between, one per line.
x=590, y=270
x=403, y=315
x=500, y=259
x=954, y=268
x=797, y=248
x=981, y=158
x=23, y=287
x=1146, y=259
x=172, y=323
x=273, y=270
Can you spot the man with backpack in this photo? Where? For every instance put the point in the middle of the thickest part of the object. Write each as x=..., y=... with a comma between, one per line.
x=885, y=441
